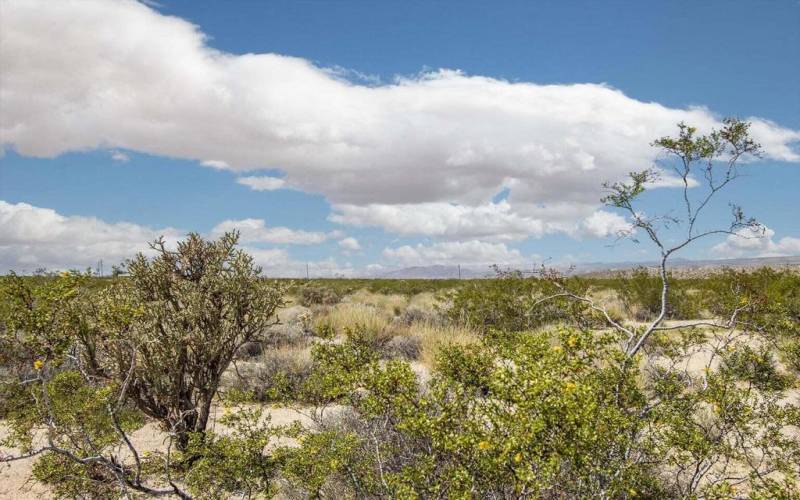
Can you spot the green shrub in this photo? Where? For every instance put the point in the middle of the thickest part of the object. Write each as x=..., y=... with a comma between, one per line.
x=757, y=367
x=318, y=295
x=512, y=304
x=640, y=291
x=517, y=415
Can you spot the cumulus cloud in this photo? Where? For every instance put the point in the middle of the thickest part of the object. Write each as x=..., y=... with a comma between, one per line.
x=442, y=220
x=473, y=252
x=602, y=224
x=262, y=183
x=350, y=244
x=218, y=164
x=33, y=237
x=757, y=243
x=120, y=156
x=437, y=139
x=256, y=230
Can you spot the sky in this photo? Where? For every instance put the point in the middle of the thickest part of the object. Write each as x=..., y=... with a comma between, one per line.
x=357, y=137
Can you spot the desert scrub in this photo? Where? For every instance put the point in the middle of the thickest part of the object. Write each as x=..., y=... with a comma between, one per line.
x=350, y=315
x=402, y=347
x=531, y=419
x=640, y=293
x=512, y=303
x=310, y=295
x=281, y=374
x=433, y=336
x=388, y=304
x=755, y=366
x=156, y=343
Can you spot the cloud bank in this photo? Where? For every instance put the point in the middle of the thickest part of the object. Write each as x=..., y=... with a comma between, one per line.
x=85, y=74
x=34, y=237
x=755, y=243
x=256, y=231
x=473, y=253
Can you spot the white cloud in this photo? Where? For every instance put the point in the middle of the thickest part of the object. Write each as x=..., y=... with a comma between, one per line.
x=120, y=156
x=256, y=230
x=472, y=252
x=33, y=237
x=442, y=220
x=277, y=263
x=150, y=83
x=218, y=164
x=602, y=224
x=757, y=243
x=350, y=244
x=262, y=183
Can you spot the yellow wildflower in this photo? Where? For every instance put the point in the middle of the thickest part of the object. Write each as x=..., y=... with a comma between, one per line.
x=518, y=458
x=572, y=341
x=570, y=386
x=483, y=445
x=38, y=364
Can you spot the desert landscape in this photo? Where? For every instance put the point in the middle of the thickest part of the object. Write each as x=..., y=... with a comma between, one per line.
x=490, y=250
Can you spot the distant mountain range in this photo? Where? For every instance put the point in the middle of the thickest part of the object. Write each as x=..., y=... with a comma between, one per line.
x=679, y=266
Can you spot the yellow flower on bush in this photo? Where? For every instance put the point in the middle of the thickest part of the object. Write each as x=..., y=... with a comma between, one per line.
x=518, y=458
x=570, y=386
x=572, y=341
x=484, y=445
x=38, y=364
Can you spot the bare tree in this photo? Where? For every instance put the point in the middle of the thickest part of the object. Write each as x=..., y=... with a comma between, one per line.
x=704, y=165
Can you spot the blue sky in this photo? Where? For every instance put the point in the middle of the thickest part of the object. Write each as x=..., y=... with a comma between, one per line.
x=80, y=73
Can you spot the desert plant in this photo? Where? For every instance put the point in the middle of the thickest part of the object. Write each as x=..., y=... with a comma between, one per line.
x=155, y=344
x=640, y=291
x=532, y=421
x=403, y=347
x=179, y=320
x=318, y=295
x=281, y=375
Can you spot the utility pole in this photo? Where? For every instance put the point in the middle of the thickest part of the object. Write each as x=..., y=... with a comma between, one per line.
x=307, y=271
x=459, y=271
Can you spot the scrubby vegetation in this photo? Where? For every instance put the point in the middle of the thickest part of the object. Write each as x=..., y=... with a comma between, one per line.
x=640, y=385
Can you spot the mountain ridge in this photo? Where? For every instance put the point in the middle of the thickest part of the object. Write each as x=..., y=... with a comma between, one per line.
x=679, y=266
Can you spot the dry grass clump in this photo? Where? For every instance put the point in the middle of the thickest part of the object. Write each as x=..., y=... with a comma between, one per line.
x=402, y=347
x=276, y=375
x=426, y=301
x=433, y=336
x=350, y=315
x=392, y=305
x=612, y=302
